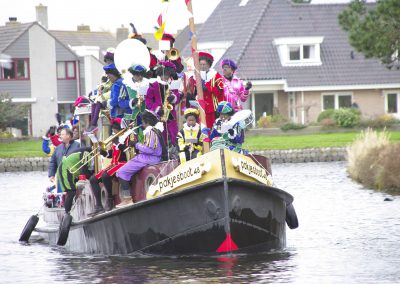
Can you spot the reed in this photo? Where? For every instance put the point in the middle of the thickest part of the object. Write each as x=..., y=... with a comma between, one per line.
x=372, y=160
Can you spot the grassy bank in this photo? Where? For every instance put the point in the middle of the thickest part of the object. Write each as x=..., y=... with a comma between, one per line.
x=21, y=149
x=321, y=140
x=33, y=148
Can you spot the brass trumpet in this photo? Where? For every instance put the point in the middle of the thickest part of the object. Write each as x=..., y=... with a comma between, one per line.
x=103, y=144
x=173, y=54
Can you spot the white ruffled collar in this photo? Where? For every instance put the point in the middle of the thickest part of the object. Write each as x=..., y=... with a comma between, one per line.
x=188, y=128
x=147, y=130
x=159, y=126
x=210, y=74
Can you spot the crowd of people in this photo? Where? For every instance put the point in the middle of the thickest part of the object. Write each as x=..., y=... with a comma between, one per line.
x=152, y=97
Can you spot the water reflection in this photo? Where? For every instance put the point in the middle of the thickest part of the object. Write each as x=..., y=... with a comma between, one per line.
x=347, y=234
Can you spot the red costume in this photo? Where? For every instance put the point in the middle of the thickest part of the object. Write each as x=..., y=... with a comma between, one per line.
x=118, y=159
x=213, y=90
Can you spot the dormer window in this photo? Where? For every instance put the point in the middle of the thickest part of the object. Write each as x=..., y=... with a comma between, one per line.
x=299, y=51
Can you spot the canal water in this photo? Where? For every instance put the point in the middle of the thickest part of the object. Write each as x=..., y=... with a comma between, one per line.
x=347, y=234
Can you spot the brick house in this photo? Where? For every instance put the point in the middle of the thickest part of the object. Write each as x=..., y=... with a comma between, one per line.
x=298, y=59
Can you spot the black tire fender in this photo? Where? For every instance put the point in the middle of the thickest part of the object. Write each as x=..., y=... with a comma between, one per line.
x=150, y=178
x=28, y=229
x=63, y=232
x=291, y=217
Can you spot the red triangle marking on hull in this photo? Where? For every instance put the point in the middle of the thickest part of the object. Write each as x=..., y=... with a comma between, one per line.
x=227, y=245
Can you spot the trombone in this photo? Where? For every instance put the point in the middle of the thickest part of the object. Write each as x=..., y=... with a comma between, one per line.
x=103, y=145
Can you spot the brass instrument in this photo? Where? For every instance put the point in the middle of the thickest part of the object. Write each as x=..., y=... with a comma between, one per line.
x=103, y=144
x=173, y=54
x=167, y=107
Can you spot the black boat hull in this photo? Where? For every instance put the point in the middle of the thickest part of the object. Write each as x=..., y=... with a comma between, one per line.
x=217, y=217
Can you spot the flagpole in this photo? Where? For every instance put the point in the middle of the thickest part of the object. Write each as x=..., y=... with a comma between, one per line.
x=195, y=55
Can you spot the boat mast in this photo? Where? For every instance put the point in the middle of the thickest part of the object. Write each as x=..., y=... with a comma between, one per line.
x=195, y=55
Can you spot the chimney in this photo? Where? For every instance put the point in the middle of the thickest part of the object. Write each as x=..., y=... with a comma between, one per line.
x=122, y=33
x=83, y=28
x=12, y=21
x=41, y=15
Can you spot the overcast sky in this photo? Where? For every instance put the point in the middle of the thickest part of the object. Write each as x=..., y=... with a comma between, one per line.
x=107, y=14
x=110, y=14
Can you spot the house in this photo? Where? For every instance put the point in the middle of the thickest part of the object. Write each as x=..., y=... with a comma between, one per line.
x=298, y=58
x=50, y=69
x=44, y=72
x=90, y=46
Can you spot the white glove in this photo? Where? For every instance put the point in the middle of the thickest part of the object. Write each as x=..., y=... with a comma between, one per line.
x=175, y=85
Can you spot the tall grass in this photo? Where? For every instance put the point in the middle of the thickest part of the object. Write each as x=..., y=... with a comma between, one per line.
x=374, y=161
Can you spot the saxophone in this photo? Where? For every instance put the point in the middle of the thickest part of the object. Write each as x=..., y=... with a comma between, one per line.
x=167, y=107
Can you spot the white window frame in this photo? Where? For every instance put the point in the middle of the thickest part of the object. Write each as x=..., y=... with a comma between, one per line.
x=284, y=44
x=337, y=95
x=386, y=93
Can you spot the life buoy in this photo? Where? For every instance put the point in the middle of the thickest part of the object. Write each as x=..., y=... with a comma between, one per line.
x=104, y=196
x=150, y=178
x=28, y=229
x=63, y=232
x=291, y=217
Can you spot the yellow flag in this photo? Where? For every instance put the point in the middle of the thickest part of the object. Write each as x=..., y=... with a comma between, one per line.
x=159, y=33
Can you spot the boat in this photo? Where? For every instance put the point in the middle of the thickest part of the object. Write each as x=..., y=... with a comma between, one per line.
x=218, y=203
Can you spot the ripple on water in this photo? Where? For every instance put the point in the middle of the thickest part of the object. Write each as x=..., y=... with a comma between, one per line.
x=347, y=234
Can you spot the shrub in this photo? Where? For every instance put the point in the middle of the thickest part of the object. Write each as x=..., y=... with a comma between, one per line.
x=5, y=134
x=277, y=118
x=325, y=114
x=327, y=123
x=382, y=121
x=264, y=121
x=345, y=117
x=292, y=126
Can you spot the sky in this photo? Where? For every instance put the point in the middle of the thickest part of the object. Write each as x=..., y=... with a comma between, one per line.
x=108, y=15
x=102, y=15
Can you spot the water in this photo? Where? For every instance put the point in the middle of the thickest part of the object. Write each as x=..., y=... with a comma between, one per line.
x=347, y=234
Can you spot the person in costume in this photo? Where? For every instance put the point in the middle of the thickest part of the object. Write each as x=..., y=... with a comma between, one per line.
x=153, y=59
x=190, y=138
x=119, y=98
x=234, y=90
x=67, y=146
x=177, y=62
x=223, y=133
x=213, y=87
x=68, y=172
x=160, y=94
x=150, y=152
x=51, y=140
x=118, y=159
x=137, y=87
x=102, y=93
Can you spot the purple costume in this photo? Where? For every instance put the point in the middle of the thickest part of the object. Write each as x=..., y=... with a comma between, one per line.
x=234, y=92
x=154, y=101
x=149, y=154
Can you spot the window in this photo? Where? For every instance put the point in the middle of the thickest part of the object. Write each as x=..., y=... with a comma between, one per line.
x=328, y=102
x=294, y=53
x=301, y=52
x=304, y=51
x=17, y=69
x=392, y=103
x=336, y=101
x=66, y=70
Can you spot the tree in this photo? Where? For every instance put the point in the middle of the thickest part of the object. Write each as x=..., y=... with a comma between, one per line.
x=10, y=112
x=374, y=30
